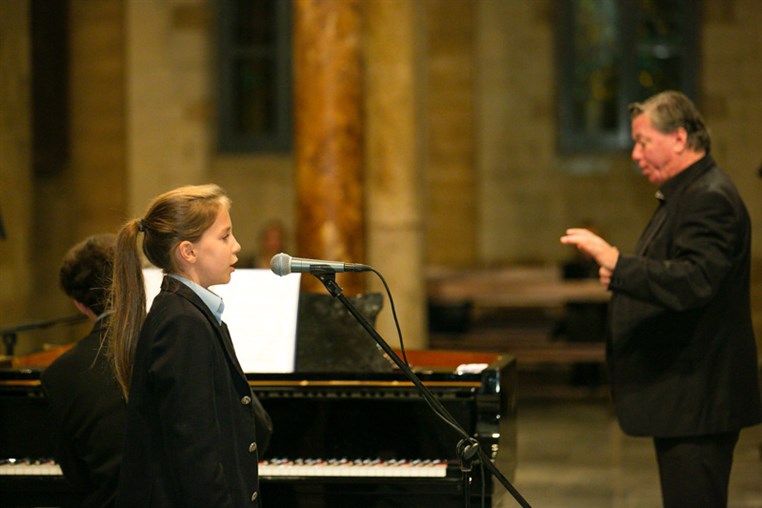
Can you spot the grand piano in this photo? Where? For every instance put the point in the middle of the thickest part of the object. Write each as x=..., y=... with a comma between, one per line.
x=343, y=436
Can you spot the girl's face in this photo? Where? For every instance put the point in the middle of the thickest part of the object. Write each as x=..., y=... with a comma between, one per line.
x=216, y=252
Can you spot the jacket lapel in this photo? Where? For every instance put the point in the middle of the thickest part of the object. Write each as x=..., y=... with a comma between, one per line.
x=654, y=226
x=227, y=341
x=222, y=332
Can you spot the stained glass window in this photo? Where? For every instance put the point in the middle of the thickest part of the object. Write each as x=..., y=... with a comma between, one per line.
x=613, y=52
x=255, y=93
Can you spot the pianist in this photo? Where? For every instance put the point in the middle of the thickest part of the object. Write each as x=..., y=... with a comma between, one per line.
x=87, y=410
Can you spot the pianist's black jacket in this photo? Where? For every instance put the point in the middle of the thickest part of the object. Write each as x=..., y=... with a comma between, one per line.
x=195, y=431
x=87, y=419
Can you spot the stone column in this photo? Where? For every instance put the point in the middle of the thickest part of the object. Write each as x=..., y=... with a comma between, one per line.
x=394, y=169
x=329, y=136
x=98, y=117
x=452, y=223
x=167, y=91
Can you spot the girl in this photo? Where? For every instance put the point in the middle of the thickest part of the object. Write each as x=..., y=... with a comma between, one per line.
x=194, y=428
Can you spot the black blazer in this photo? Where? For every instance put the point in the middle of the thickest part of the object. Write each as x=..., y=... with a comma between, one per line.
x=682, y=353
x=88, y=417
x=194, y=428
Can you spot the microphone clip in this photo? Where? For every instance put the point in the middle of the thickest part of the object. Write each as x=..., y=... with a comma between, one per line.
x=328, y=277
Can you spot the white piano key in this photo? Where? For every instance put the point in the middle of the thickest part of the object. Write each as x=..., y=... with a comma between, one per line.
x=361, y=468
x=26, y=467
x=280, y=468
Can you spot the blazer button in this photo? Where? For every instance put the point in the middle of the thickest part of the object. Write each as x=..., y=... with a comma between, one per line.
x=254, y=496
x=252, y=447
x=246, y=400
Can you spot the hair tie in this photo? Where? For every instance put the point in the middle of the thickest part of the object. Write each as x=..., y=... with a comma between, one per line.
x=142, y=226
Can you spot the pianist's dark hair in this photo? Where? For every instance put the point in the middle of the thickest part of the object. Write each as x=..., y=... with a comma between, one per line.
x=181, y=214
x=85, y=272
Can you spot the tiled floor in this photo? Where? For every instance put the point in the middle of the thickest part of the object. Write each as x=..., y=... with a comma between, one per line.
x=571, y=453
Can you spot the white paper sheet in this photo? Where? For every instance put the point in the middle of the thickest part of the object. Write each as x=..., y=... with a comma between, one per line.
x=260, y=311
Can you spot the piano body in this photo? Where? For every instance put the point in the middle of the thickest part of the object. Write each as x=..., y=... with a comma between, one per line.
x=342, y=439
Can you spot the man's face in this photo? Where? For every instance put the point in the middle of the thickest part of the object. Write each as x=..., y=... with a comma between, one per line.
x=655, y=152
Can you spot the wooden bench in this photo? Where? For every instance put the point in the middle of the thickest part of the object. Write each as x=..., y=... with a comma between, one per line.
x=512, y=310
x=518, y=287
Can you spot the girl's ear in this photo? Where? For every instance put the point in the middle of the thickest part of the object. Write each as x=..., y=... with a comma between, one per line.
x=185, y=252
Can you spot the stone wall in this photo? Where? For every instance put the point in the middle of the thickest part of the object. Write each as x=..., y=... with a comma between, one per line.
x=492, y=187
x=16, y=267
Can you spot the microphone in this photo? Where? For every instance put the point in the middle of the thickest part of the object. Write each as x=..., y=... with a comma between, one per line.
x=283, y=264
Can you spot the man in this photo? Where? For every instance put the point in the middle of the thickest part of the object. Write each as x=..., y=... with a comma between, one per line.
x=87, y=410
x=681, y=352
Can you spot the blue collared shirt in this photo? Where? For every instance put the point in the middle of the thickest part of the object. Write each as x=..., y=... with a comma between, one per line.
x=212, y=300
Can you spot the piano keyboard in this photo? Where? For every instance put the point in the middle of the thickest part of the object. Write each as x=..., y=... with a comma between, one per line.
x=360, y=468
x=28, y=467
x=280, y=468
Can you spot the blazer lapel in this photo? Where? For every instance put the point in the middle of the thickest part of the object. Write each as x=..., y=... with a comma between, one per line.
x=230, y=350
x=654, y=225
x=222, y=330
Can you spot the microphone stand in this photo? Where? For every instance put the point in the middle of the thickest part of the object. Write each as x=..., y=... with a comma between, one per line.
x=468, y=448
x=9, y=334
